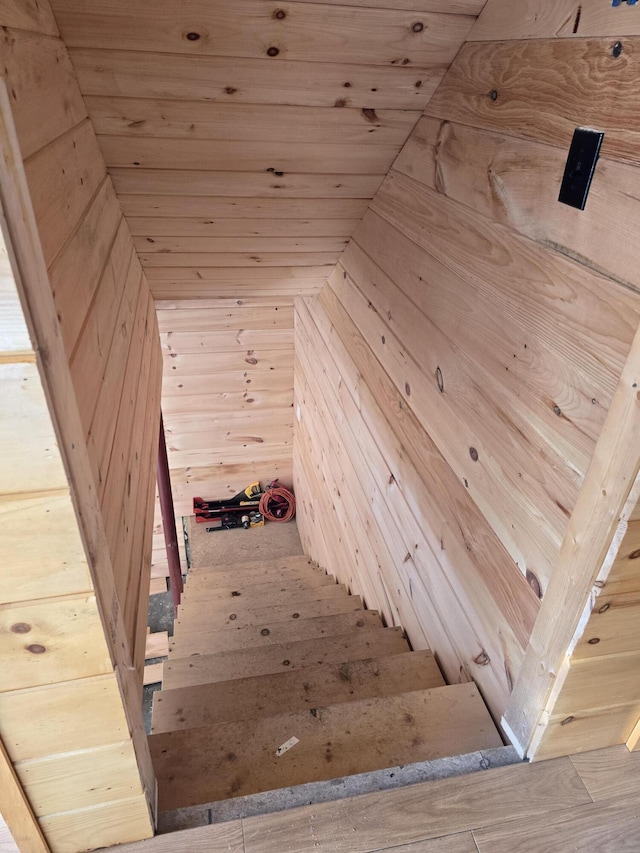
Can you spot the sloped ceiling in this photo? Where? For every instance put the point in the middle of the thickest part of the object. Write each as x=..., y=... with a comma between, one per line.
x=245, y=138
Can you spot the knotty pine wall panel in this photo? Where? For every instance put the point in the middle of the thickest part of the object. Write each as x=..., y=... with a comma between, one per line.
x=252, y=126
x=227, y=394
x=470, y=343
x=75, y=588
x=494, y=139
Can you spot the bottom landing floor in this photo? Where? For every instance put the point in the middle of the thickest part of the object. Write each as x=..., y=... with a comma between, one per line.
x=588, y=803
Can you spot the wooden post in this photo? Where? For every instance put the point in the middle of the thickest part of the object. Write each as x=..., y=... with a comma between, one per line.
x=591, y=533
x=169, y=519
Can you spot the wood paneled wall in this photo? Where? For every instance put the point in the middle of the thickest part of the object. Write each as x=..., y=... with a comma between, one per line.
x=599, y=701
x=246, y=139
x=77, y=521
x=455, y=377
x=521, y=84
x=227, y=394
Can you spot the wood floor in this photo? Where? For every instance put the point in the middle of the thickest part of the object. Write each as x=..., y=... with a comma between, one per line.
x=588, y=803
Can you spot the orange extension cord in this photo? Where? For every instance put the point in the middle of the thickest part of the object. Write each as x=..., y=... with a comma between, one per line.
x=277, y=503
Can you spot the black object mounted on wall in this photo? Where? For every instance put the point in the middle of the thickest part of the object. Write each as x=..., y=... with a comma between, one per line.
x=581, y=163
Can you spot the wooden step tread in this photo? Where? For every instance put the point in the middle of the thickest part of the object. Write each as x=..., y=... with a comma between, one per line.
x=229, y=619
x=285, y=692
x=247, y=602
x=252, y=576
x=269, y=633
x=282, y=657
x=233, y=759
x=276, y=563
x=257, y=590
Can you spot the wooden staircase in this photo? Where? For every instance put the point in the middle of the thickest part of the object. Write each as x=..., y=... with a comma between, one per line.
x=276, y=677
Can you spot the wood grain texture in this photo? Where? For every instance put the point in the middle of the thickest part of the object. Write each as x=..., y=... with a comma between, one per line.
x=455, y=7
x=624, y=576
x=375, y=821
x=338, y=740
x=246, y=260
x=76, y=272
x=609, y=774
x=244, y=184
x=242, y=155
x=410, y=494
x=197, y=642
x=45, y=97
x=190, y=229
x=85, y=777
x=599, y=682
x=516, y=182
x=109, y=823
x=537, y=488
x=62, y=180
x=238, y=592
x=246, y=617
x=220, y=838
x=568, y=84
x=307, y=32
x=167, y=249
x=296, y=597
x=305, y=106
x=285, y=692
x=459, y=843
x=612, y=628
x=244, y=663
x=61, y=567
x=524, y=19
x=590, y=729
x=600, y=506
x=72, y=715
x=70, y=636
x=25, y=412
x=633, y=741
x=31, y=15
x=216, y=361
x=215, y=579
x=64, y=641
x=221, y=208
x=17, y=810
x=591, y=828
x=132, y=74
x=203, y=119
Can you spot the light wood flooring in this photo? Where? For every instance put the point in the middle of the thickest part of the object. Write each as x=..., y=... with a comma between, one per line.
x=588, y=803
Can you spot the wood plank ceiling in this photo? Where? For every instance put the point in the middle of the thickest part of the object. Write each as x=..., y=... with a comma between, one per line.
x=245, y=139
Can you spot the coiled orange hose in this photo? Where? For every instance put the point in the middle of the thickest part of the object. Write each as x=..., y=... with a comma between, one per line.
x=278, y=504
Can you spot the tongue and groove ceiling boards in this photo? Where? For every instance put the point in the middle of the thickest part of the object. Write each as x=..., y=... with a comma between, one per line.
x=245, y=139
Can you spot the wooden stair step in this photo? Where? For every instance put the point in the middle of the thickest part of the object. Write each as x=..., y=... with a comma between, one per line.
x=248, y=577
x=232, y=759
x=257, y=590
x=268, y=633
x=286, y=692
x=242, y=663
x=247, y=602
x=267, y=564
x=202, y=619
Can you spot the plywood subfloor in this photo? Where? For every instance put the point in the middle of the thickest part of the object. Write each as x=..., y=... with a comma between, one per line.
x=588, y=803
x=273, y=541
